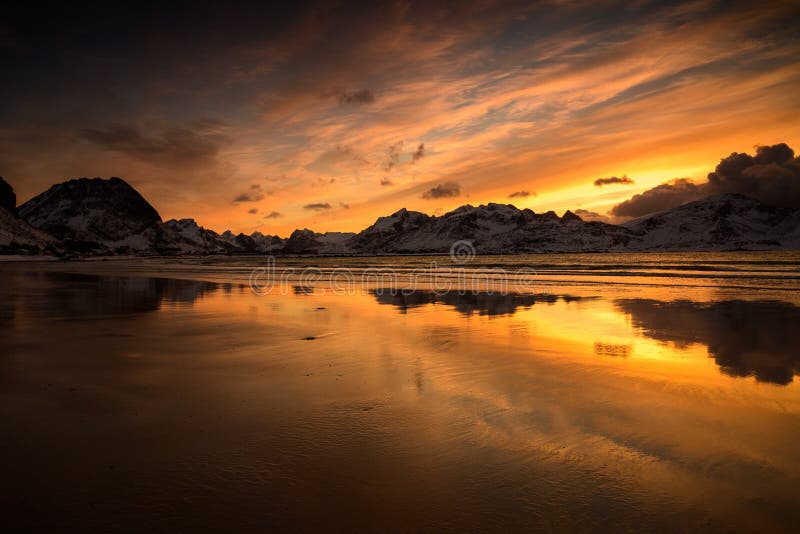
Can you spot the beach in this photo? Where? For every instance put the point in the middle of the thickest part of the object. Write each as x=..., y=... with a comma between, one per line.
x=568, y=392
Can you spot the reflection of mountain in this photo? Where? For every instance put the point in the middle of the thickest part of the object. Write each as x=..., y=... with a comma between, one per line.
x=744, y=338
x=468, y=302
x=79, y=295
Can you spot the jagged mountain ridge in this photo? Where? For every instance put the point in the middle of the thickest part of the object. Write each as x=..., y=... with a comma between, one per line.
x=110, y=217
x=491, y=228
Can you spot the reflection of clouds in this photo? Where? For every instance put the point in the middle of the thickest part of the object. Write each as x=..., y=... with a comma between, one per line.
x=744, y=338
x=469, y=302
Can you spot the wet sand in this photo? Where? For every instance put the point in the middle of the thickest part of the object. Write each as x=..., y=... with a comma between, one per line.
x=151, y=403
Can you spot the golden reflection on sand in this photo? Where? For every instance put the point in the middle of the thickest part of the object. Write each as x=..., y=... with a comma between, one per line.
x=552, y=402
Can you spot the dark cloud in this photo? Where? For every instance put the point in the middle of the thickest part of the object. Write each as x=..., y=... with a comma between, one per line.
x=344, y=205
x=317, y=206
x=273, y=215
x=362, y=96
x=175, y=147
x=600, y=182
x=521, y=194
x=386, y=181
x=252, y=211
x=254, y=195
x=771, y=176
x=445, y=190
x=419, y=153
x=662, y=197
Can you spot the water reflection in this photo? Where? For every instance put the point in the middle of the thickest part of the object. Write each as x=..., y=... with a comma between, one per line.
x=744, y=338
x=468, y=302
x=179, y=405
x=74, y=295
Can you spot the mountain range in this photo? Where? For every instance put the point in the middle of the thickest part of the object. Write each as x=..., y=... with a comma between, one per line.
x=99, y=217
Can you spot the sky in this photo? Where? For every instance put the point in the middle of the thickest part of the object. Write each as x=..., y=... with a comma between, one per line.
x=327, y=115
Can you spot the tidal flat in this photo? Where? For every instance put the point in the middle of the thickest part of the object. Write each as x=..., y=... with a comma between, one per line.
x=611, y=392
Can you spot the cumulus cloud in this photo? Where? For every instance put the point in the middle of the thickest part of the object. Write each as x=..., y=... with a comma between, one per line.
x=771, y=176
x=361, y=96
x=386, y=181
x=174, y=147
x=521, y=194
x=600, y=182
x=253, y=195
x=252, y=211
x=445, y=190
x=419, y=153
x=317, y=206
x=273, y=215
x=662, y=197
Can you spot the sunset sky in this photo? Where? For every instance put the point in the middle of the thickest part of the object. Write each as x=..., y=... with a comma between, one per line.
x=327, y=115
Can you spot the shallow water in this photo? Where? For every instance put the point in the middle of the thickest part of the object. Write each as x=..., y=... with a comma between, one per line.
x=152, y=401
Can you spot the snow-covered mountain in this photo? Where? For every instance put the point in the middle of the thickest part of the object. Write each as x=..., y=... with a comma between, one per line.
x=309, y=242
x=188, y=237
x=720, y=222
x=109, y=216
x=490, y=228
x=95, y=215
